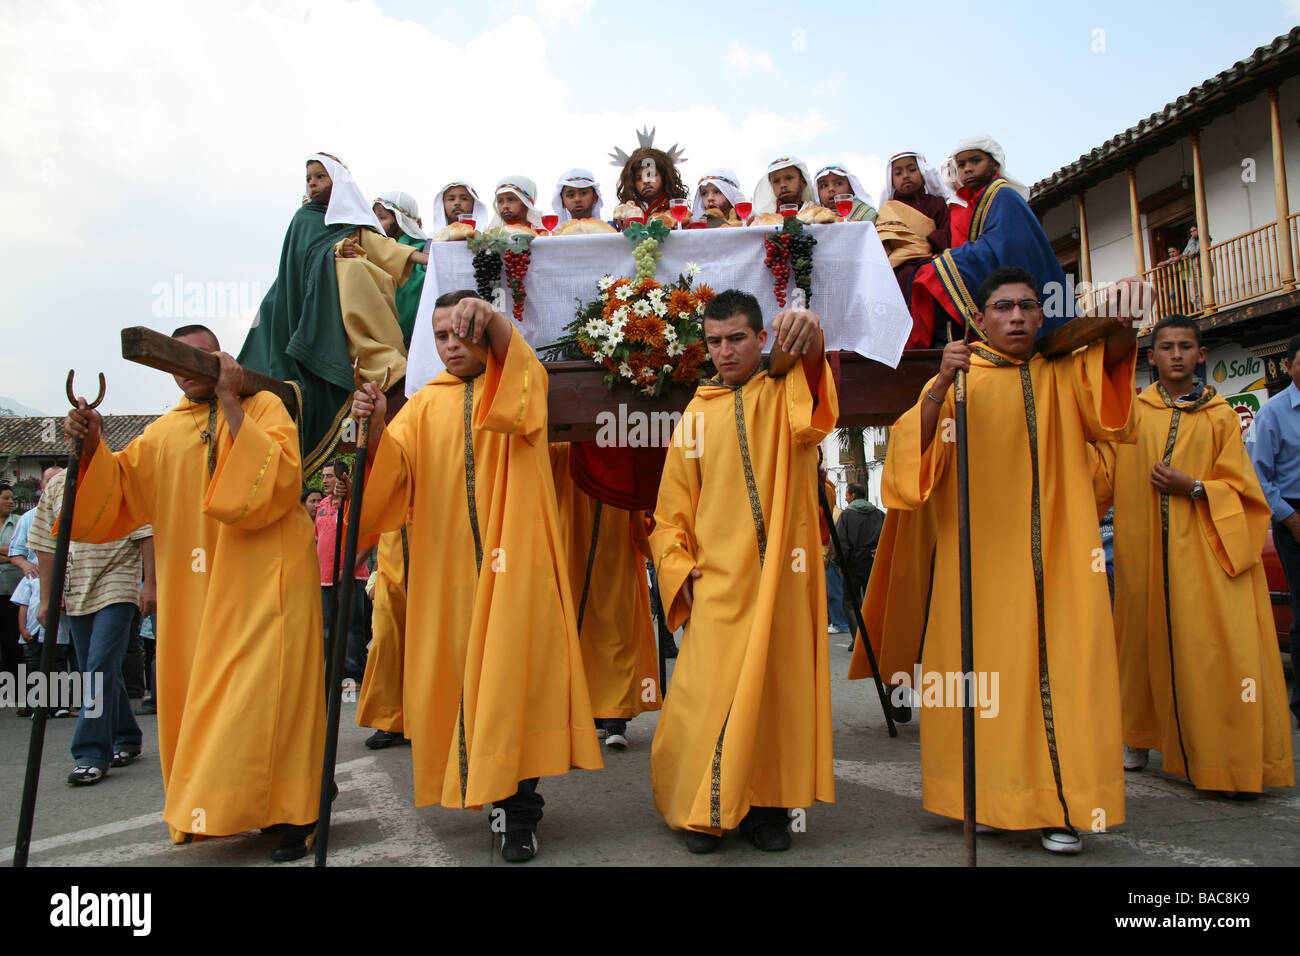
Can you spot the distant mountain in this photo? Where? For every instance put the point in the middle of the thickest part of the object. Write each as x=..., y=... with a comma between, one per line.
x=12, y=409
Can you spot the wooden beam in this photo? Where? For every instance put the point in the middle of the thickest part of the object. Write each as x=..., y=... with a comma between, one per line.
x=1202, y=227
x=1285, y=261
x=1135, y=223
x=147, y=347
x=870, y=393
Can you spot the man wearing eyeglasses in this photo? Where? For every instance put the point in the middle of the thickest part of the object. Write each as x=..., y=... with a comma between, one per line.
x=1044, y=647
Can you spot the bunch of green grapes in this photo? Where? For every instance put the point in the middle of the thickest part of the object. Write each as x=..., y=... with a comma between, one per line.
x=646, y=256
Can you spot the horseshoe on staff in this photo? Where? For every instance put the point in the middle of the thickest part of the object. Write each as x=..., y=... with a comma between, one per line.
x=72, y=399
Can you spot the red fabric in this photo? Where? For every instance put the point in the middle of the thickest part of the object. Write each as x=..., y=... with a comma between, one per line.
x=625, y=478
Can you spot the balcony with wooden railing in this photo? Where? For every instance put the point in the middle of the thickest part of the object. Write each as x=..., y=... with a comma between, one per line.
x=1242, y=268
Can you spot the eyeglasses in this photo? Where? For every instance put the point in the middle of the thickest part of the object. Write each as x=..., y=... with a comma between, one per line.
x=1007, y=306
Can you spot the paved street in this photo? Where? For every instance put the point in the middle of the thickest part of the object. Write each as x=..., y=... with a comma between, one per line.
x=607, y=817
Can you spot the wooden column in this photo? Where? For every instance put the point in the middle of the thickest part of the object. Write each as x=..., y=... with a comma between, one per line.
x=1085, y=256
x=1285, y=261
x=1202, y=227
x=1135, y=222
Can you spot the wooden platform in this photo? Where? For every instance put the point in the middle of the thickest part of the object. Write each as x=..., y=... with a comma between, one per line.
x=870, y=393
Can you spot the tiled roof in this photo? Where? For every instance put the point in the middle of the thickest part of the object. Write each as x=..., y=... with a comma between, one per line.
x=26, y=437
x=1219, y=94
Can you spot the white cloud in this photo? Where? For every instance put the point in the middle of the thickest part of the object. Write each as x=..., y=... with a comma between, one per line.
x=745, y=60
x=147, y=140
x=554, y=13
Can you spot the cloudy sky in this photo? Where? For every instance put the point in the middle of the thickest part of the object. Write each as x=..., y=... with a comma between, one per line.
x=151, y=145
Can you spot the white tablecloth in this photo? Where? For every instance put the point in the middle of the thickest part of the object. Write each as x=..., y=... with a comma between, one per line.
x=854, y=290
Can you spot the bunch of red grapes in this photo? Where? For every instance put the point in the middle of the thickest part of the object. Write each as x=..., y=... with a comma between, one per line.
x=516, y=264
x=778, y=261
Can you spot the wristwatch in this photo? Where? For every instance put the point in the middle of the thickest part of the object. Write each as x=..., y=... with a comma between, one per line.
x=1198, y=490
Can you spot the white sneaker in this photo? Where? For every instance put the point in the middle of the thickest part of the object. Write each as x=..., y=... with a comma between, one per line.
x=616, y=742
x=1062, y=841
x=834, y=629
x=1135, y=758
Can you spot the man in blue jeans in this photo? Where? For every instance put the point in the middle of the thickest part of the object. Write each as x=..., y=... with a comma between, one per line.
x=1276, y=454
x=101, y=596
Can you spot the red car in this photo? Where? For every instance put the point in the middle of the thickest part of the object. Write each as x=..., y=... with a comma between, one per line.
x=1278, y=593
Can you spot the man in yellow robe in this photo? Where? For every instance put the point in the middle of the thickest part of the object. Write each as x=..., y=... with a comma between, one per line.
x=241, y=695
x=745, y=732
x=380, y=703
x=607, y=549
x=494, y=694
x=1200, y=673
x=1046, y=675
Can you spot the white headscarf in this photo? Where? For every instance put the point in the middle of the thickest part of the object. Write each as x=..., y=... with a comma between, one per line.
x=985, y=142
x=765, y=198
x=576, y=178
x=934, y=183
x=854, y=183
x=525, y=189
x=348, y=203
x=406, y=209
x=481, y=211
x=722, y=179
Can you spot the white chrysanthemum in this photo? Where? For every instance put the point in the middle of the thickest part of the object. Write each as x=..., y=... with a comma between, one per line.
x=668, y=368
x=621, y=315
x=675, y=348
x=625, y=370
x=641, y=307
x=648, y=391
x=692, y=270
x=670, y=333
x=660, y=308
x=594, y=328
x=604, y=283
x=683, y=315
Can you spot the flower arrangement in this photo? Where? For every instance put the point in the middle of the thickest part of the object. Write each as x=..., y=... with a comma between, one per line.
x=643, y=332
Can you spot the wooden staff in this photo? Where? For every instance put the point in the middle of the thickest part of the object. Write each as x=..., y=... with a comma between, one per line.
x=857, y=610
x=342, y=619
x=967, y=643
x=53, y=614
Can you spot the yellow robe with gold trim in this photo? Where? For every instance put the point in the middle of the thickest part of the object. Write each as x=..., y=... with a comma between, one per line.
x=241, y=683
x=1223, y=702
x=493, y=690
x=368, y=302
x=1049, y=742
x=747, y=717
x=380, y=702
x=617, y=638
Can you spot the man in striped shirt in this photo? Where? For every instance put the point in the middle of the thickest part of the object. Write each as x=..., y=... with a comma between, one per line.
x=102, y=598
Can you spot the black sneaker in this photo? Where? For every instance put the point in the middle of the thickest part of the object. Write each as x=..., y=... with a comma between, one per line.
x=382, y=739
x=697, y=842
x=518, y=846
x=124, y=758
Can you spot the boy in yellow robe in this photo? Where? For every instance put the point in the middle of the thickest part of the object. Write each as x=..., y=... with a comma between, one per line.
x=1045, y=666
x=380, y=703
x=607, y=550
x=494, y=694
x=1200, y=674
x=241, y=689
x=745, y=731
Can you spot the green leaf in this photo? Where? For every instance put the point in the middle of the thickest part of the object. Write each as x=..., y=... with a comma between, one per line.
x=658, y=230
x=793, y=225
x=635, y=232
